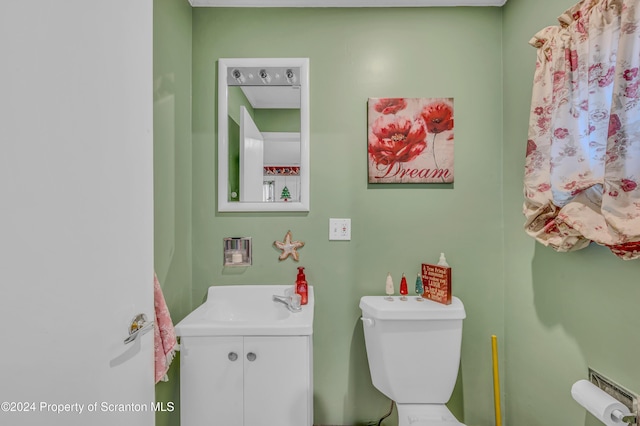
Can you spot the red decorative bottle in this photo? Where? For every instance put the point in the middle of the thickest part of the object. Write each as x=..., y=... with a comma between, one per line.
x=302, y=287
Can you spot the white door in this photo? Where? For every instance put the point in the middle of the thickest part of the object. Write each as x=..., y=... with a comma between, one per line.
x=76, y=212
x=251, y=158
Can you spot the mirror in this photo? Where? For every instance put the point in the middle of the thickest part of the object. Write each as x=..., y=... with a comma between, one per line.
x=263, y=134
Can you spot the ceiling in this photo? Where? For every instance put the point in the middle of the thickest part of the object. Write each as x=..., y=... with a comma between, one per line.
x=273, y=96
x=344, y=3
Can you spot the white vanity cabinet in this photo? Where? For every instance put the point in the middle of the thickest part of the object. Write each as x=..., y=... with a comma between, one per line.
x=246, y=359
x=246, y=381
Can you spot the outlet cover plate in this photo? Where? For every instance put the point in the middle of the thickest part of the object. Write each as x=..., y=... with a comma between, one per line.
x=339, y=229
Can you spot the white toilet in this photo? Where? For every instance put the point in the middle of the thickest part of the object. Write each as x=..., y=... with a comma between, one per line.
x=413, y=348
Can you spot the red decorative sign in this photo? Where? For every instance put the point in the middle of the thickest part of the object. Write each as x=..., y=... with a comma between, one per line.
x=437, y=283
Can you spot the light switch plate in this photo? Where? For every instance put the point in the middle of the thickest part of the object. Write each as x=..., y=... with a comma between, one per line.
x=339, y=229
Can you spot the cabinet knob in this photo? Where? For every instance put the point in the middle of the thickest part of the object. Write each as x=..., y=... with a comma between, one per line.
x=233, y=356
x=251, y=356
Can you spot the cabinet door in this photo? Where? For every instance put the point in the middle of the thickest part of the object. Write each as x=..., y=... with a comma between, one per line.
x=277, y=383
x=211, y=381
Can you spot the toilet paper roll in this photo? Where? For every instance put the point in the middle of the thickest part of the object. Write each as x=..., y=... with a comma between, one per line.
x=598, y=402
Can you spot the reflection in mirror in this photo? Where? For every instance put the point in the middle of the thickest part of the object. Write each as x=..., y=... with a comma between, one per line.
x=263, y=134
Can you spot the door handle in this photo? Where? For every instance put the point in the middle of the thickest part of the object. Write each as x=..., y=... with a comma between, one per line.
x=138, y=327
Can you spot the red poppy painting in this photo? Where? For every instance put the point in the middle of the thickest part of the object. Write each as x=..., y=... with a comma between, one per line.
x=410, y=140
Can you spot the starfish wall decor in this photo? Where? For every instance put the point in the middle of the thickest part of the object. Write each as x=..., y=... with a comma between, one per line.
x=288, y=247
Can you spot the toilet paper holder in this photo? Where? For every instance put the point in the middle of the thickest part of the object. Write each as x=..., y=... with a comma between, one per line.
x=625, y=396
x=631, y=419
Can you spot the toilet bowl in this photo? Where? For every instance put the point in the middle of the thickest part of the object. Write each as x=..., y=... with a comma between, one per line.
x=413, y=348
x=426, y=415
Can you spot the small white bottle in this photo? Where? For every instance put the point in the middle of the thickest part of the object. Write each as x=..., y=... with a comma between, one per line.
x=442, y=261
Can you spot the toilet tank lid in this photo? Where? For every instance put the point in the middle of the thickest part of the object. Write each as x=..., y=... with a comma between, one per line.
x=380, y=308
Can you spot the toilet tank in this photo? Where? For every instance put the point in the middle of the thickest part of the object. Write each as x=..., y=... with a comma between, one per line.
x=413, y=347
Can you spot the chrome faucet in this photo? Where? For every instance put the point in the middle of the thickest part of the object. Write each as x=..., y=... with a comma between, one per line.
x=291, y=302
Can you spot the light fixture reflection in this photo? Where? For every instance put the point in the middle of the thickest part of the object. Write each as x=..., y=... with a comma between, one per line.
x=264, y=76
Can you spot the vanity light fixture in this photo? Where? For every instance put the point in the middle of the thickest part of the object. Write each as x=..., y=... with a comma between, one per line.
x=264, y=76
x=237, y=74
x=291, y=76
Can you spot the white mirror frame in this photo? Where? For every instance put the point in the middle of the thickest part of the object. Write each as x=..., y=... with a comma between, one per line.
x=224, y=205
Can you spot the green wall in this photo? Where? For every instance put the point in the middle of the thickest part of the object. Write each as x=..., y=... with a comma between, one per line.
x=555, y=313
x=564, y=312
x=356, y=54
x=172, y=22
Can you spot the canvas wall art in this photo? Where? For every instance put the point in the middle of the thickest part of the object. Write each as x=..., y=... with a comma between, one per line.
x=410, y=140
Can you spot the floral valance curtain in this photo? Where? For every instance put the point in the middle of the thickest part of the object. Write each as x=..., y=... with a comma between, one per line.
x=582, y=172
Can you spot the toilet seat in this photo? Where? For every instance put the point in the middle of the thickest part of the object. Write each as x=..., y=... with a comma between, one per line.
x=426, y=415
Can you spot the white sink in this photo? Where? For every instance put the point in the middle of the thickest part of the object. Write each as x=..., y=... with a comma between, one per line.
x=247, y=310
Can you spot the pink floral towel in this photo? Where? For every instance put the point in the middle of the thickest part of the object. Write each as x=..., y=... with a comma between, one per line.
x=165, y=343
